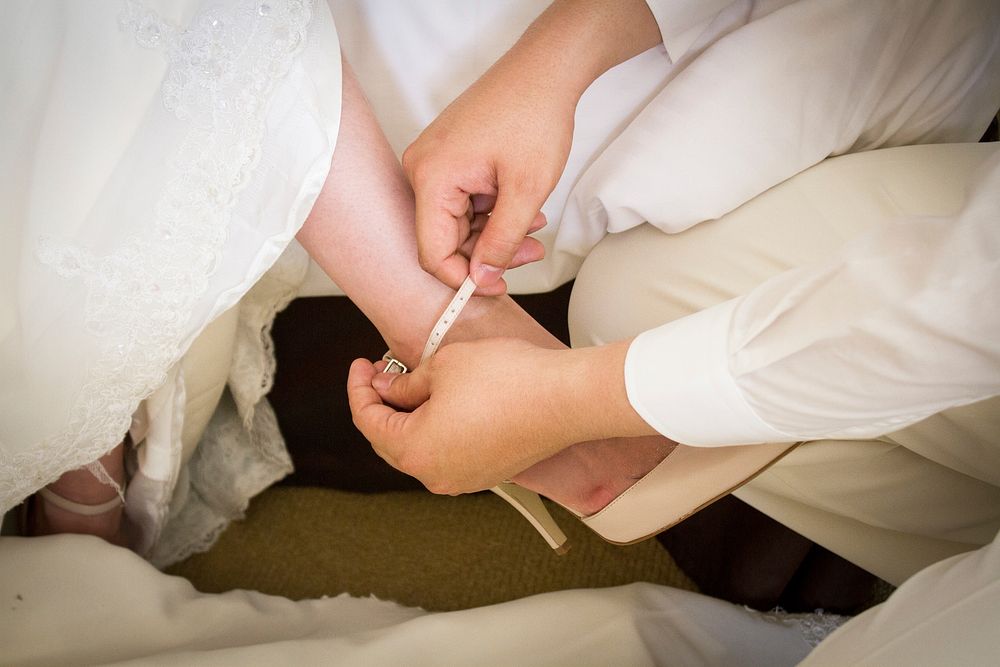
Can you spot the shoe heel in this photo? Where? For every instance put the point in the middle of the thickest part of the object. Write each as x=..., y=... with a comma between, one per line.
x=533, y=509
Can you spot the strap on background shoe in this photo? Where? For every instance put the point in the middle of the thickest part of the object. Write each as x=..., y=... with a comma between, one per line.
x=79, y=508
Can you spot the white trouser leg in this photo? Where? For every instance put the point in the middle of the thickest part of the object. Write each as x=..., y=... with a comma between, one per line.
x=944, y=615
x=206, y=371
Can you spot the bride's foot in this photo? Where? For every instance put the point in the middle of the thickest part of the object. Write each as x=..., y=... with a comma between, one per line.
x=588, y=476
x=81, y=487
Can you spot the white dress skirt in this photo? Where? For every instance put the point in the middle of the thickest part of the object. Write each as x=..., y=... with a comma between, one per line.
x=158, y=160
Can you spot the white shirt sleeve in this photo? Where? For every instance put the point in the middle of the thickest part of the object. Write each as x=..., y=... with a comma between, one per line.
x=682, y=21
x=903, y=323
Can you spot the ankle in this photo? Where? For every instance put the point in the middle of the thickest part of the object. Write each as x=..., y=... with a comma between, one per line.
x=52, y=520
x=83, y=487
x=482, y=317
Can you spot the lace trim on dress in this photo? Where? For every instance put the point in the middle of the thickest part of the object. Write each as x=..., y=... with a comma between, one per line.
x=251, y=373
x=814, y=627
x=242, y=451
x=232, y=464
x=222, y=70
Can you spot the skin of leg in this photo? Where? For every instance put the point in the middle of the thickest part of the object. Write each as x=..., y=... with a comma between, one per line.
x=361, y=233
x=82, y=487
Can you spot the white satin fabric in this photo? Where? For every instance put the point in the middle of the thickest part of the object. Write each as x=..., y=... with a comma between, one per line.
x=98, y=604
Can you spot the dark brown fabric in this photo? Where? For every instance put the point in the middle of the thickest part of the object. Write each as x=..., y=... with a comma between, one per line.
x=737, y=553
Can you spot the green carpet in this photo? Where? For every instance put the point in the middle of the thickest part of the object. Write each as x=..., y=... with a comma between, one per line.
x=436, y=552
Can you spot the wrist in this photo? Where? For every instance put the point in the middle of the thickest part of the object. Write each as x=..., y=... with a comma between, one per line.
x=575, y=41
x=590, y=384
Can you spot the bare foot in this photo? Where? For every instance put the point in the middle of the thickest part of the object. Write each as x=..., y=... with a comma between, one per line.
x=81, y=486
x=588, y=476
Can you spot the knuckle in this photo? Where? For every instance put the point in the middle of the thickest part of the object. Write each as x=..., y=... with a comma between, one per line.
x=410, y=159
x=442, y=486
x=413, y=463
x=416, y=463
x=526, y=181
x=437, y=486
x=356, y=420
x=418, y=169
x=426, y=261
x=502, y=245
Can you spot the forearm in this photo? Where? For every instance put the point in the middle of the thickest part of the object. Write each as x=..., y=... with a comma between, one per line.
x=575, y=41
x=360, y=232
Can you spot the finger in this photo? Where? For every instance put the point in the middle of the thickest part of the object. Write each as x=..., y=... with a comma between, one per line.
x=453, y=271
x=502, y=236
x=498, y=288
x=379, y=423
x=469, y=244
x=539, y=222
x=483, y=203
x=407, y=392
x=531, y=250
x=478, y=223
x=440, y=220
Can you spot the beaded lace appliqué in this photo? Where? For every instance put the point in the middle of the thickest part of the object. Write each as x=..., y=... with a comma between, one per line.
x=221, y=72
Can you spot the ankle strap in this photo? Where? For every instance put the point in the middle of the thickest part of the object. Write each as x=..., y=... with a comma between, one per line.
x=79, y=508
x=448, y=317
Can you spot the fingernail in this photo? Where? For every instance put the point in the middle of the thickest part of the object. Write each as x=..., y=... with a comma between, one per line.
x=486, y=275
x=383, y=381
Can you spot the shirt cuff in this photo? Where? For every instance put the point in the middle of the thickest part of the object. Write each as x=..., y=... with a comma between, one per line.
x=677, y=378
x=681, y=21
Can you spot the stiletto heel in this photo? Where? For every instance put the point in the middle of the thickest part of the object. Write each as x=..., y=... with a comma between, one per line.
x=531, y=507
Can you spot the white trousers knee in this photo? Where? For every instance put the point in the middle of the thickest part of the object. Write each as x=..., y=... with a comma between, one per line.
x=896, y=504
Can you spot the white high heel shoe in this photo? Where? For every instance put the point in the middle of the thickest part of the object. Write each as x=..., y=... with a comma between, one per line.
x=687, y=480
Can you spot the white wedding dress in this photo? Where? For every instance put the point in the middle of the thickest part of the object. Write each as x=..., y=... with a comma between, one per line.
x=157, y=164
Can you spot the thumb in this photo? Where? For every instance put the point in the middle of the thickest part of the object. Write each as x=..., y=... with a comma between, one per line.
x=406, y=391
x=512, y=218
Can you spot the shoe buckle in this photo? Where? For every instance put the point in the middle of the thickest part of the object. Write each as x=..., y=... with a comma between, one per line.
x=393, y=365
